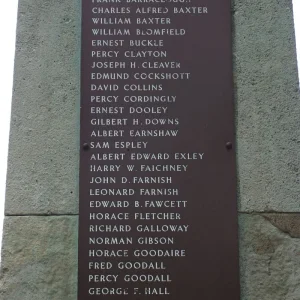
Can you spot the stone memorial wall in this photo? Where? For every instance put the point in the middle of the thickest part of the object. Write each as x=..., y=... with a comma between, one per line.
x=40, y=242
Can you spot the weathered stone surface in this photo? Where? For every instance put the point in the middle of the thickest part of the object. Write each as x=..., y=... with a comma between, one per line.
x=39, y=258
x=288, y=223
x=267, y=106
x=44, y=140
x=43, y=155
x=269, y=259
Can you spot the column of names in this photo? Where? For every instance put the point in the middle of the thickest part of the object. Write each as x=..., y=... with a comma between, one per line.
x=148, y=98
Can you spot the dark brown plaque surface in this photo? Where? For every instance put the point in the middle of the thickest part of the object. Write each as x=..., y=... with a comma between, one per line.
x=158, y=217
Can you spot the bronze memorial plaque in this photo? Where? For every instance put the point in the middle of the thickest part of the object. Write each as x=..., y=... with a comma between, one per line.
x=158, y=212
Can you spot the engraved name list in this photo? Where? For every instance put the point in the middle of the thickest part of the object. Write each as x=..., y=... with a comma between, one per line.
x=157, y=209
